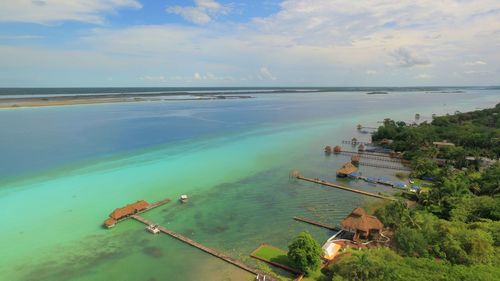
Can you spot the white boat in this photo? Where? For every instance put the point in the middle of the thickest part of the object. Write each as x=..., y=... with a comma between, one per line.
x=153, y=228
x=184, y=198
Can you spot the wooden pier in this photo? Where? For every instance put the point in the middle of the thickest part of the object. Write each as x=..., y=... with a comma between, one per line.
x=356, y=142
x=375, y=156
x=205, y=249
x=330, y=227
x=392, y=167
x=344, y=188
x=150, y=207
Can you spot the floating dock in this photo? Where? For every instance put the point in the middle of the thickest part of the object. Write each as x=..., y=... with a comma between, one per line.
x=330, y=227
x=205, y=249
x=322, y=182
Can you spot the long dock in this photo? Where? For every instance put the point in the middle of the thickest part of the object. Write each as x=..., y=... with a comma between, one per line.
x=330, y=227
x=204, y=248
x=343, y=188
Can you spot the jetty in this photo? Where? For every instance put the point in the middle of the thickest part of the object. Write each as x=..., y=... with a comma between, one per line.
x=323, y=225
x=204, y=248
x=384, y=166
x=356, y=142
x=139, y=207
x=374, y=156
x=296, y=174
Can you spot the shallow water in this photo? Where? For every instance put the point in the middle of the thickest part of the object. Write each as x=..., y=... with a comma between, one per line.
x=64, y=169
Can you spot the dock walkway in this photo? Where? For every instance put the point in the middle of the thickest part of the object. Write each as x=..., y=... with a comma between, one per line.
x=344, y=188
x=375, y=156
x=384, y=166
x=205, y=249
x=330, y=227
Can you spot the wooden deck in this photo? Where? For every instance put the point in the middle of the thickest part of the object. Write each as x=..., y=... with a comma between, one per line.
x=375, y=156
x=205, y=249
x=356, y=142
x=344, y=188
x=151, y=206
x=330, y=227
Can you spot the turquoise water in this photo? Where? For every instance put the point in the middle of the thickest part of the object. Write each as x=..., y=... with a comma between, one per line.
x=64, y=169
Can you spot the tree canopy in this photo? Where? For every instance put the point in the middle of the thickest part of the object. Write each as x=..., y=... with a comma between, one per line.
x=305, y=253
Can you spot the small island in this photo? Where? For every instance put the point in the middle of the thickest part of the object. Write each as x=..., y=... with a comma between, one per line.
x=377, y=93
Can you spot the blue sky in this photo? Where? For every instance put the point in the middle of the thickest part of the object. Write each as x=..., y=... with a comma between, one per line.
x=249, y=43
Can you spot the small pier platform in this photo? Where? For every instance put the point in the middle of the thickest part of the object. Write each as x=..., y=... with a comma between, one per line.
x=330, y=227
x=205, y=249
x=356, y=142
x=344, y=188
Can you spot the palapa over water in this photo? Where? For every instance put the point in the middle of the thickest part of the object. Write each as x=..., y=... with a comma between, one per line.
x=347, y=169
x=126, y=211
x=355, y=159
x=337, y=149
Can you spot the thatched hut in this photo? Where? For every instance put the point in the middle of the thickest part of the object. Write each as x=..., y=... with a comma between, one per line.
x=355, y=159
x=361, y=147
x=128, y=210
x=354, y=140
x=346, y=169
x=328, y=149
x=359, y=127
x=362, y=225
x=337, y=149
x=294, y=174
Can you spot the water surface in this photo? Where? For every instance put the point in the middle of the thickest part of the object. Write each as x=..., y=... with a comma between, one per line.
x=64, y=169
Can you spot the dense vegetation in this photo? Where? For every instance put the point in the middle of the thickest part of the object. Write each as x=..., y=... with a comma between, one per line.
x=475, y=133
x=385, y=264
x=453, y=233
x=305, y=253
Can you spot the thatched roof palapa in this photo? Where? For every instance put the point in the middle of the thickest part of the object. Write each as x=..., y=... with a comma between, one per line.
x=347, y=168
x=355, y=159
x=337, y=149
x=328, y=149
x=359, y=220
x=128, y=210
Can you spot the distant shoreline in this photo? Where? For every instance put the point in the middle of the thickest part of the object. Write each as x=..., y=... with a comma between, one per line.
x=21, y=102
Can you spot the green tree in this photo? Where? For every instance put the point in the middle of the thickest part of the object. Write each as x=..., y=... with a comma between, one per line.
x=411, y=242
x=305, y=253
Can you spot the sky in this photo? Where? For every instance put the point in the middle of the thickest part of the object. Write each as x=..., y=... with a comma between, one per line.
x=172, y=43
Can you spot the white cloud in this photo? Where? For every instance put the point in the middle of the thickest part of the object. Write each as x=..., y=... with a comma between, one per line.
x=46, y=11
x=211, y=77
x=406, y=58
x=266, y=74
x=478, y=62
x=423, y=76
x=478, y=72
x=202, y=13
x=149, y=78
x=318, y=42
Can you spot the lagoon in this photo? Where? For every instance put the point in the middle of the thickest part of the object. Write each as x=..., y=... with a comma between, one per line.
x=64, y=169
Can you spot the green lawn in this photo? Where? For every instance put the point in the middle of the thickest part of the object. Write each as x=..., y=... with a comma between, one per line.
x=273, y=254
